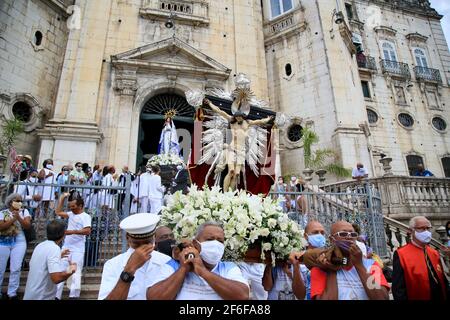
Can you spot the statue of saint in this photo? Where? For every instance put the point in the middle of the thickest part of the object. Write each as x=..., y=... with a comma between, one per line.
x=168, y=142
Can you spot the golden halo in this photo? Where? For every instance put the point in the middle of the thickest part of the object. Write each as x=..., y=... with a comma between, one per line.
x=170, y=114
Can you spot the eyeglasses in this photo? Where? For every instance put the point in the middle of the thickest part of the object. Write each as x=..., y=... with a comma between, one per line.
x=346, y=234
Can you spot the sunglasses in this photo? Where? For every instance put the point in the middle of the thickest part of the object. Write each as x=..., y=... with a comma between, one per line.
x=346, y=234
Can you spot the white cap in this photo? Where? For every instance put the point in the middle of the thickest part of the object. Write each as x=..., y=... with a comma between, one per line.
x=140, y=225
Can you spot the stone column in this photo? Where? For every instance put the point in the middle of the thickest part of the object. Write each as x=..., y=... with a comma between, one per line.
x=73, y=134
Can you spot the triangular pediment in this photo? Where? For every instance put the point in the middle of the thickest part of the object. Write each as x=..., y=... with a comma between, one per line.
x=171, y=54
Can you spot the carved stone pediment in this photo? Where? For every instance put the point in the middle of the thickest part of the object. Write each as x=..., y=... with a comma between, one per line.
x=385, y=31
x=416, y=37
x=172, y=57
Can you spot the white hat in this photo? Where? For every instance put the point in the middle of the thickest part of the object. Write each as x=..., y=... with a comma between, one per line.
x=140, y=225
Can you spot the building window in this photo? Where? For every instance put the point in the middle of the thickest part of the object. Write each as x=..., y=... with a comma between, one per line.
x=22, y=111
x=432, y=99
x=400, y=95
x=413, y=162
x=288, y=69
x=421, y=59
x=349, y=10
x=389, y=51
x=446, y=166
x=357, y=41
x=372, y=116
x=295, y=133
x=365, y=89
x=406, y=120
x=439, y=124
x=278, y=7
x=38, y=38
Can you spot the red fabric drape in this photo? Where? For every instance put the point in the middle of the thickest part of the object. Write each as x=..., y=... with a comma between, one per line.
x=255, y=185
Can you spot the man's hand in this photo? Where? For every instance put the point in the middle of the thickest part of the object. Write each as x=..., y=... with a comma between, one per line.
x=64, y=195
x=190, y=259
x=356, y=255
x=287, y=270
x=138, y=258
x=206, y=102
x=65, y=253
x=72, y=268
x=326, y=265
x=294, y=257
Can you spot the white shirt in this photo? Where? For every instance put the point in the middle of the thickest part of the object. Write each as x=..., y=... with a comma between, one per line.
x=359, y=172
x=46, y=259
x=75, y=242
x=349, y=283
x=155, y=188
x=282, y=284
x=195, y=287
x=23, y=213
x=138, y=290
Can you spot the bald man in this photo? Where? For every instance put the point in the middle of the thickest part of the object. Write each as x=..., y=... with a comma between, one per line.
x=315, y=235
x=359, y=172
x=360, y=279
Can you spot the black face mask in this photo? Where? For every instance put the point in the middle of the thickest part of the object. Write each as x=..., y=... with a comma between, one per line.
x=166, y=246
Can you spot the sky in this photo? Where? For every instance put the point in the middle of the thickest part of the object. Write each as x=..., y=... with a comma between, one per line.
x=443, y=7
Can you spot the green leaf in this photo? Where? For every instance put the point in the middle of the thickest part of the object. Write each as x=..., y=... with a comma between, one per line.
x=338, y=170
x=11, y=129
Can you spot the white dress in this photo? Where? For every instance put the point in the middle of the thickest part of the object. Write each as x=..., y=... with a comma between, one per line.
x=48, y=193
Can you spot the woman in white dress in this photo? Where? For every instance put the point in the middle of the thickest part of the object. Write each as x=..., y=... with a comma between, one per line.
x=47, y=175
x=168, y=141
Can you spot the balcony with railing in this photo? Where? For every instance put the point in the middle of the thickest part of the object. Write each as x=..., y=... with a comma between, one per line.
x=427, y=74
x=396, y=69
x=366, y=62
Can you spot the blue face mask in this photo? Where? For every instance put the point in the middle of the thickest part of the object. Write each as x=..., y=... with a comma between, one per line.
x=317, y=240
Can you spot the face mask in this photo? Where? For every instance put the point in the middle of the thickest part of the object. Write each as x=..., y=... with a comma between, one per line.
x=211, y=251
x=344, y=245
x=166, y=246
x=49, y=166
x=79, y=169
x=148, y=170
x=293, y=179
x=16, y=205
x=66, y=173
x=33, y=179
x=317, y=240
x=424, y=236
x=179, y=167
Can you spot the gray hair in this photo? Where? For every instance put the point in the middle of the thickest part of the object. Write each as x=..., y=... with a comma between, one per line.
x=202, y=227
x=10, y=199
x=413, y=220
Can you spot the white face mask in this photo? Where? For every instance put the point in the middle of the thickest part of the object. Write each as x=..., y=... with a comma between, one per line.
x=49, y=166
x=33, y=179
x=179, y=167
x=424, y=236
x=212, y=251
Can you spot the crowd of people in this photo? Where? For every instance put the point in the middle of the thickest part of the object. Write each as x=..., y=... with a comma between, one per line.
x=337, y=266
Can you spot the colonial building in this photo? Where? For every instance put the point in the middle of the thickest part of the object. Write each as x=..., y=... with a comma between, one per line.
x=92, y=79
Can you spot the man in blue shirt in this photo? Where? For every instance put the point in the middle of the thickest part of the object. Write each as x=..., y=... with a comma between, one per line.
x=421, y=172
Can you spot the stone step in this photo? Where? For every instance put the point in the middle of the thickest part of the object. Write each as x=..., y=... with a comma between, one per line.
x=88, y=291
x=87, y=278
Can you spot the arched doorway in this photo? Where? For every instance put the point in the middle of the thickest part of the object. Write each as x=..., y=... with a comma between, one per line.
x=152, y=121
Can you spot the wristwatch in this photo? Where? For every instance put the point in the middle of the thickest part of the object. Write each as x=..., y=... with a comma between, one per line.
x=126, y=277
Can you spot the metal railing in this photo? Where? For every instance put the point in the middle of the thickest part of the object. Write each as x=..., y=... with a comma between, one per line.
x=367, y=62
x=427, y=74
x=396, y=68
x=107, y=206
x=361, y=206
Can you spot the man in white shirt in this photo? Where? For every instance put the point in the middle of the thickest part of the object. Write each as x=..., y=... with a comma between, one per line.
x=79, y=226
x=45, y=265
x=201, y=275
x=155, y=191
x=359, y=172
x=124, y=276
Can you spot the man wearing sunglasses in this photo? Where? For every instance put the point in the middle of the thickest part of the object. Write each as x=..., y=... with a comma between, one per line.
x=418, y=271
x=357, y=279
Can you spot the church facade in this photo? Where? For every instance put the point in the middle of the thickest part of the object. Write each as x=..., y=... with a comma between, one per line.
x=93, y=79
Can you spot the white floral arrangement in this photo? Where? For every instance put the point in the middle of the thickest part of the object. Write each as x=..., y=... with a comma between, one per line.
x=246, y=218
x=165, y=160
